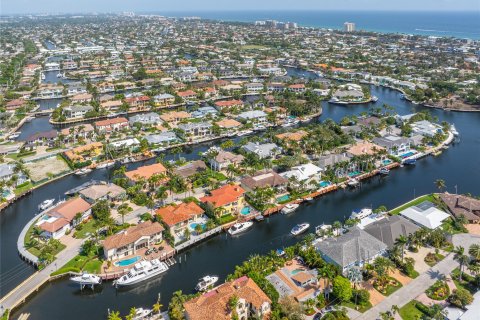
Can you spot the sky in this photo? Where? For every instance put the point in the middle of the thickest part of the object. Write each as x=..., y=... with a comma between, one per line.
x=78, y=6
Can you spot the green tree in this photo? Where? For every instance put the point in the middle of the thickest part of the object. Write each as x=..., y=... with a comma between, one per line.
x=342, y=288
x=460, y=298
x=440, y=184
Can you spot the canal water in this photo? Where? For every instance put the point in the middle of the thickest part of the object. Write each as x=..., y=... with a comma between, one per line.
x=62, y=300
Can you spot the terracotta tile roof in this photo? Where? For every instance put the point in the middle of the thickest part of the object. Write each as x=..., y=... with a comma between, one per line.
x=173, y=214
x=187, y=93
x=302, y=277
x=224, y=195
x=229, y=103
x=54, y=226
x=174, y=115
x=214, y=304
x=109, y=122
x=364, y=148
x=146, y=171
x=293, y=136
x=462, y=205
x=132, y=234
x=228, y=123
x=264, y=179
x=69, y=208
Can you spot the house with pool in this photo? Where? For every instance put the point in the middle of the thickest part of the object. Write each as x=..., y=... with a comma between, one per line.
x=394, y=145
x=131, y=241
x=178, y=217
x=228, y=199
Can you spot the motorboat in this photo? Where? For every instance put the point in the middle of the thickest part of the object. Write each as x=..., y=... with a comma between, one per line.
x=86, y=279
x=410, y=161
x=280, y=252
x=46, y=204
x=353, y=182
x=244, y=132
x=259, y=218
x=142, y=271
x=360, y=214
x=206, y=282
x=141, y=313
x=289, y=208
x=43, y=76
x=309, y=199
x=105, y=165
x=335, y=100
x=300, y=228
x=14, y=135
x=374, y=98
x=454, y=131
x=240, y=227
x=82, y=172
x=384, y=171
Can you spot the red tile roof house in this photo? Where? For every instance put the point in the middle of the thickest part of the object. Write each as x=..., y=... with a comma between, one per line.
x=56, y=221
x=227, y=199
x=132, y=239
x=299, y=87
x=110, y=125
x=15, y=104
x=186, y=95
x=177, y=217
x=228, y=104
x=146, y=172
x=136, y=102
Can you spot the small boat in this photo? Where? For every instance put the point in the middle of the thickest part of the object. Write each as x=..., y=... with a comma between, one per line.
x=280, y=252
x=46, y=204
x=206, y=283
x=384, y=171
x=126, y=160
x=43, y=76
x=289, y=208
x=410, y=161
x=59, y=75
x=454, y=131
x=14, y=135
x=259, y=218
x=82, y=172
x=244, y=132
x=360, y=214
x=86, y=279
x=240, y=227
x=353, y=182
x=142, y=313
x=142, y=271
x=374, y=98
x=335, y=100
x=309, y=199
x=105, y=165
x=300, y=228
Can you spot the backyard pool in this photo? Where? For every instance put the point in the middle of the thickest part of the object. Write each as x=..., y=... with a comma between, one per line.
x=283, y=198
x=324, y=184
x=408, y=154
x=245, y=211
x=386, y=161
x=194, y=225
x=354, y=173
x=127, y=262
x=294, y=272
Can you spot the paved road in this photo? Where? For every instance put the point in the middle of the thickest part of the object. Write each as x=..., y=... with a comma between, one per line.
x=25, y=288
x=417, y=286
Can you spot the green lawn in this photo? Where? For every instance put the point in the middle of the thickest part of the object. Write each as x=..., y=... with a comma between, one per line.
x=80, y=263
x=35, y=250
x=361, y=308
x=410, y=312
x=227, y=218
x=428, y=197
x=24, y=188
x=87, y=228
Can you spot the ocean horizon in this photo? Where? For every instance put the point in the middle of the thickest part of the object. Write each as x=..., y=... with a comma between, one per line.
x=459, y=24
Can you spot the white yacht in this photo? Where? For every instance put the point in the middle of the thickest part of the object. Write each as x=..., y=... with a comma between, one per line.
x=240, y=227
x=142, y=271
x=289, y=208
x=300, y=228
x=14, y=135
x=453, y=130
x=43, y=76
x=105, y=165
x=384, y=171
x=142, y=313
x=83, y=171
x=353, y=182
x=46, y=204
x=206, y=282
x=244, y=132
x=365, y=212
x=374, y=98
x=86, y=279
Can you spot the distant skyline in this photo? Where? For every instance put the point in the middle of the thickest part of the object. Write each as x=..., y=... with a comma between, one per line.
x=159, y=6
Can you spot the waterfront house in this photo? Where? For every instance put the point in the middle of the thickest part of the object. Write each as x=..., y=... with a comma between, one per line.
x=460, y=205
x=266, y=150
x=187, y=95
x=178, y=217
x=129, y=144
x=162, y=139
x=195, y=130
x=297, y=88
x=425, y=215
x=98, y=192
x=76, y=111
x=45, y=138
x=15, y=104
x=363, y=148
x=138, y=102
x=112, y=105
x=205, y=111
x=254, y=87
x=393, y=144
x=225, y=158
x=163, y=100
x=226, y=105
x=7, y=171
x=111, y=125
x=303, y=172
x=225, y=200
x=352, y=249
x=84, y=152
x=230, y=125
x=81, y=98
x=145, y=172
x=426, y=128
x=264, y=179
x=330, y=160
x=253, y=303
x=83, y=131
x=150, y=118
x=132, y=239
x=254, y=116
x=174, y=117
x=292, y=135
x=63, y=217
x=190, y=169
x=390, y=228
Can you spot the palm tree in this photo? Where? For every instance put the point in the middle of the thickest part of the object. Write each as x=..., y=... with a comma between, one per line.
x=401, y=242
x=461, y=258
x=157, y=306
x=329, y=273
x=114, y=315
x=440, y=184
x=474, y=251
x=132, y=314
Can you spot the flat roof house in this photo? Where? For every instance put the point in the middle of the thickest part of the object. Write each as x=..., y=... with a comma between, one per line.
x=352, y=249
x=425, y=215
x=128, y=241
x=252, y=302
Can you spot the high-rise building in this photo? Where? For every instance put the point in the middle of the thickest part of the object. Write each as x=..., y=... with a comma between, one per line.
x=349, y=27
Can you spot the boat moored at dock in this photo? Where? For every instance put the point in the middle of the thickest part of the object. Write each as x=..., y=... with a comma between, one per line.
x=141, y=271
x=206, y=283
x=300, y=228
x=240, y=227
x=289, y=208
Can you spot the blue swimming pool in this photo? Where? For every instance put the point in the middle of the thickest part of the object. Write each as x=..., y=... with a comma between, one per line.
x=283, y=198
x=354, y=173
x=245, y=211
x=127, y=262
x=194, y=225
x=408, y=154
x=386, y=161
x=324, y=184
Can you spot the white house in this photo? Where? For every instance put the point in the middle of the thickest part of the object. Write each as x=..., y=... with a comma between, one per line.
x=426, y=215
x=303, y=172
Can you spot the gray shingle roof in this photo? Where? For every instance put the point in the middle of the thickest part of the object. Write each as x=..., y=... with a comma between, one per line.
x=390, y=228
